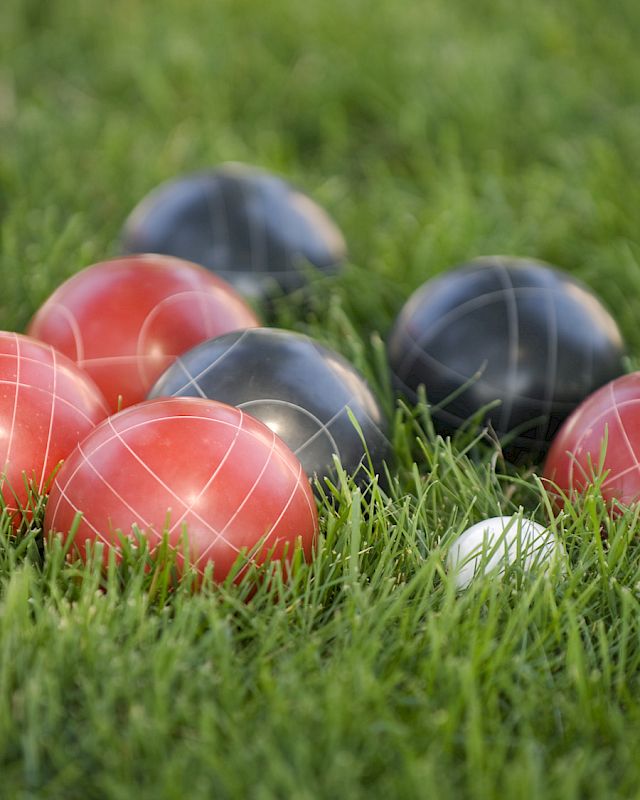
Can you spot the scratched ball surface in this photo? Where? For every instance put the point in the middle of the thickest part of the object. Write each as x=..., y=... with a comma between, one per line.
x=304, y=391
x=191, y=467
x=124, y=321
x=47, y=404
x=252, y=228
x=606, y=424
x=518, y=334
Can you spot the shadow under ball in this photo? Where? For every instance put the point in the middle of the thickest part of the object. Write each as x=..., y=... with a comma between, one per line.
x=250, y=227
x=514, y=330
x=300, y=389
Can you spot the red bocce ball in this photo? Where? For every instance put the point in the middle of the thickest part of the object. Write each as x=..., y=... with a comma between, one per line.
x=186, y=464
x=124, y=321
x=612, y=416
x=47, y=405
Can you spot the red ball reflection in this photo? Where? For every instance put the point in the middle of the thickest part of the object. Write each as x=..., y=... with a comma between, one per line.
x=125, y=321
x=47, y=405
x=186, y=464
x=611, y=414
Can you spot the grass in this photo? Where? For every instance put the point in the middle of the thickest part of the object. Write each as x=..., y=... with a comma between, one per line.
x=433, y=132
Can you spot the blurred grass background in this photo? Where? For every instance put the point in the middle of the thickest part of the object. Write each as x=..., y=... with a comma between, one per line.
x=433, y=132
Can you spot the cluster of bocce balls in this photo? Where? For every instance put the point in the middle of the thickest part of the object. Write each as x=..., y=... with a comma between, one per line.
x=175, y=414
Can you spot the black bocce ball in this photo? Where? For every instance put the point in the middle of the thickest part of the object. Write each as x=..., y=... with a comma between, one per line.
x=513, y=330
x=302, y=390
x=250, y=227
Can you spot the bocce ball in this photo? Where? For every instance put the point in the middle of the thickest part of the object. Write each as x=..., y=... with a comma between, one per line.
x=252, y=228
x=124, y=321
x=495, y=543
x=300, y=389
x=510, y=330
x=186, y=467
x=606, y=423
x=47, y=404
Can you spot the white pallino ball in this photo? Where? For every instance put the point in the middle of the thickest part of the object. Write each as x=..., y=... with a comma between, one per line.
x=496, y=542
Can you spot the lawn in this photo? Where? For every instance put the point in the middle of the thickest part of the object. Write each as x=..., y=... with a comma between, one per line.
x=433, y=132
